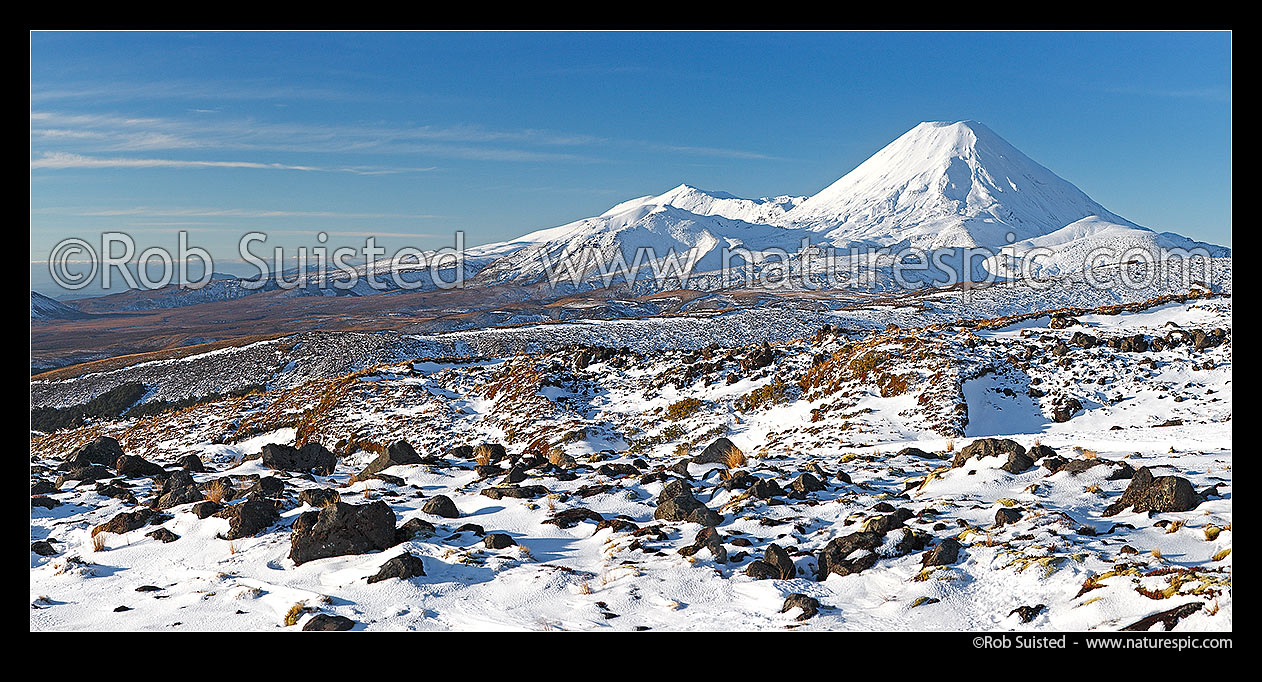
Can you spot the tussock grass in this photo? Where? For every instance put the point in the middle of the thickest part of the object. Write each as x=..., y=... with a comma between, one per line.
x=216, y=491
x=683, y=409
x=295, y=613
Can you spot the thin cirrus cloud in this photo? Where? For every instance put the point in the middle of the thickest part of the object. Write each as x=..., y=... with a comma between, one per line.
x=127, y=132
x=113, y=133
x=152, y=212
x=65, y=160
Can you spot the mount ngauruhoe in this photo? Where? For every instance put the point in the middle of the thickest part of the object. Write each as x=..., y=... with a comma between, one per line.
x=939, y=186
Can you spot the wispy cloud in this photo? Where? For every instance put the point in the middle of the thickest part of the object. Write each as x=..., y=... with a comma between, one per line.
x=102, y=133
x=1208, y=93
x=256, y=90
x=715, y=151
x=124, y=133
x=65, y=160
x=184, y=212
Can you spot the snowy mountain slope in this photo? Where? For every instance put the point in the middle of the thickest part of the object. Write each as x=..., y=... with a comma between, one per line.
x=940, y=185
x=682, y=226
x=854, y=487
x=767, y=210
x=45, y=308
x=1094, y=241
x=946, y=184
x=315, y=354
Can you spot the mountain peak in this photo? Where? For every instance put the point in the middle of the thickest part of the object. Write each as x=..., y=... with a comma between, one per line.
x=946, y=183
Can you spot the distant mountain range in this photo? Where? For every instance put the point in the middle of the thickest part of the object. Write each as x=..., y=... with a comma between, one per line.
x=939, y=186
x=45, y=308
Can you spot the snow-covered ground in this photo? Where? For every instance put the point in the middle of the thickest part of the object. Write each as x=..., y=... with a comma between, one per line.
x=839, y=406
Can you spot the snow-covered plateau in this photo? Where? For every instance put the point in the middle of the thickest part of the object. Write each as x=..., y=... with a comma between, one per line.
x=1066, y=470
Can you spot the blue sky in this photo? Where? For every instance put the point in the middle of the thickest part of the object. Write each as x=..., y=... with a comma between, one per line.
x=411, y=136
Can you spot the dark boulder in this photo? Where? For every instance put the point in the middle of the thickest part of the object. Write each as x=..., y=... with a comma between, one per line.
x=766, y=488
x=884, y=524
x=987, y=447
x=101, y=450
x=1120, y=470
x=205, y=509
x=707, y=538
x=572, y=517
x=777, y=558
x=397, y=454
x=1054, y=463
x=249, y=517
x=1064, y=409
x=125, y=522
x=323, y=622
x=1006, y=515
x=1083, y=340
x=186, y=495
x=676, y=503
x=268, y=486
x=850, y=554
x=945, y=553
x=341, y=529
x=1129, y=344
x=1017, y=463
x=806, y=483
x=87, y=474
x=761, y=570
x=412, y=528
x=179, y=479
x=498, y=541
x=135, y=466
x=310, y=458
x=1148, y=493
x=404, y=566
x=719, y=452
x=515, y=474
x=1028, y=613
x=520, y=492
x=191, y=463
x=809, y=605
x=614, y=470
x=738, y=480
x=441, y=505
x=488, y=470
x=1040, y=451
x=319, y=497
x=163, y=535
